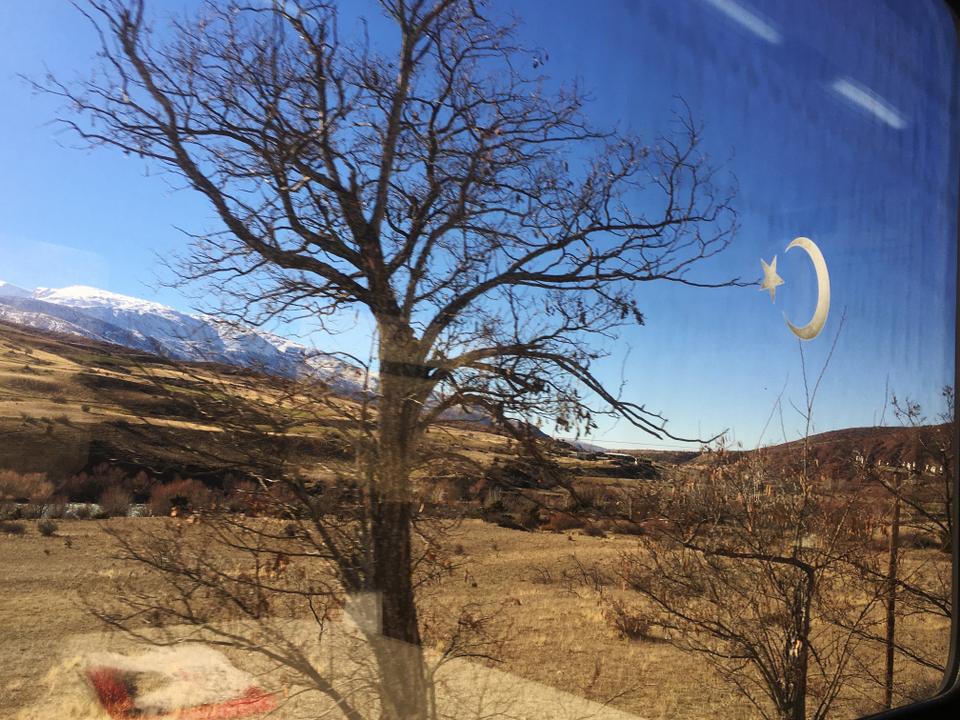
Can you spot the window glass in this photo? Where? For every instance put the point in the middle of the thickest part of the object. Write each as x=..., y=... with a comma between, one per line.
x=415, y=359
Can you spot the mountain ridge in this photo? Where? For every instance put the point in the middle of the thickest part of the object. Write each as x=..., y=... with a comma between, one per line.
x=97, y=314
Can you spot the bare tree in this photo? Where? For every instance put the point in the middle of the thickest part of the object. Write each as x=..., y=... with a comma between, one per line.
x=489, y=232
x=747, y=566
x=919, y=489
x=929, y=493
x=745, y=570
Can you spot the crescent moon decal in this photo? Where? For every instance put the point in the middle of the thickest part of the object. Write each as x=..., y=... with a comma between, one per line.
x=813, y=328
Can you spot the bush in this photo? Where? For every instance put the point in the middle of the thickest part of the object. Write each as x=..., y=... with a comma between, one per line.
x=530, y=517
x=542, y=576
x=115, y=501
x=594, y=530
x=509, y=522
x=47, y=528
x=240, y=495
x=494, y=508
x=29, y=511
x=561, y=522
x=627, y=527
x=478, y=489
x=140, y=485
x=24, y=487
x=84, y=487
x=525, y=473
x=283, y=500
x=598, y=497
x=627, y=623
x=920, y=541
x=182, y=494
x=12, y=528
x=89, y=486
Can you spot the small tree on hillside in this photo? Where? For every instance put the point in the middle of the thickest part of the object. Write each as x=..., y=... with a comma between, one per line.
x=473, y=214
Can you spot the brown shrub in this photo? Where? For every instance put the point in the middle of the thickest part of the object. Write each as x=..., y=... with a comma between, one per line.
x=542, y=575
x=627, y=527
x=140, y=485
x=921, y=541
x=561, y=522
x=47, y=528
x=182, y=494
x=478, y=489
x=115, y=501
x=240, y=495
x=594, y=530
x=90, y=486
x=28, y=511
x=444, y=490
x=12, y=528
x=24, y=487
x=627, y=622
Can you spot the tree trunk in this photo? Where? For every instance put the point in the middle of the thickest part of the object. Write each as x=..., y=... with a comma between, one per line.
x=402, y=678
x=403, y=683
x=797, y=660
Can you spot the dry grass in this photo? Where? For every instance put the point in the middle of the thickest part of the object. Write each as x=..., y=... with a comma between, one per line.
x=557, y=630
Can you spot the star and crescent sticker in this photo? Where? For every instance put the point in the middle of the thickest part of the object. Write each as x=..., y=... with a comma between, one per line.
x=770, y=278
x=771, y=281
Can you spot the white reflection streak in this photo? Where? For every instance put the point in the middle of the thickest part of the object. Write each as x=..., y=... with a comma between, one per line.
x=868, y=100
x=752, y=22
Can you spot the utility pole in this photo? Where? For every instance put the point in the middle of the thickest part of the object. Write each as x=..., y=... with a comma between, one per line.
x=891, y=600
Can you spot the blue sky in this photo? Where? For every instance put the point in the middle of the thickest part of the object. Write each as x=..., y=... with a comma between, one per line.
x=833, y=116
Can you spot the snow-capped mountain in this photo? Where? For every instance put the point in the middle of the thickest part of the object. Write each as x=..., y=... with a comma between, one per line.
x=143, y=325
x=8, y=290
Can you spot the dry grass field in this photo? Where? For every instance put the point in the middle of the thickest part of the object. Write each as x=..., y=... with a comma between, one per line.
x=60, y=403
x=555, y=633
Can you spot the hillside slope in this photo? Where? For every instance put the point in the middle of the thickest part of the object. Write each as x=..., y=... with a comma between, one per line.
x=67, y=403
